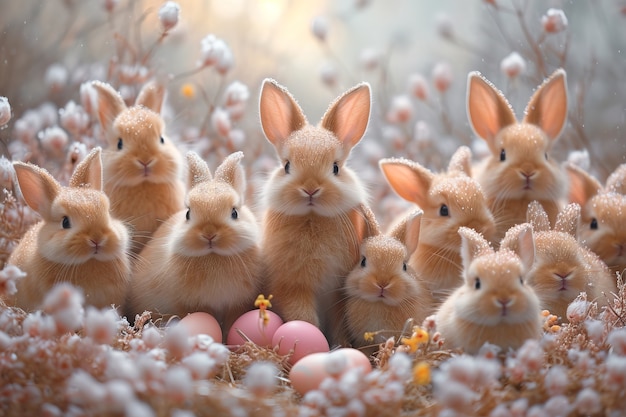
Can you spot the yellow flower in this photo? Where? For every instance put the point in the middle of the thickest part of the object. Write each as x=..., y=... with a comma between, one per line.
x=369, y=336
x=263, y=304
x=419, y=337
x=421, y=373
x=187, y=90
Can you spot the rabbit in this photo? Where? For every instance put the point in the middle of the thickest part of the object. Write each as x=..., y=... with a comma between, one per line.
x=313, y=203
x=603, y=217
x=450, y=200
x=563, y=268
x=206, y=257
x=519, y=168
x=382, y=290
x=494, y=305
x=76, y=241
x=143, y=169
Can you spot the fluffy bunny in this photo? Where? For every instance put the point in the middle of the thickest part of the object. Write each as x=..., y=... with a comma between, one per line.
x=449, y=200
x=603, y=217
x=143, y=169
x=313, y=202
x=494, y=304
x=382, y=290
x=76, y=241
x=205, y=257
x=563, y=268
x=519, y=168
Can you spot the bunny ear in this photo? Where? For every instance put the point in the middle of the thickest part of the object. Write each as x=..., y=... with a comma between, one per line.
x=365, y=225
x=568, y=219
x=198, y=169
x=151, y=96
x=408, y=230
x=582, y=186
x=231, y=172
x=617, y=180
x=110, y=103
x=37, y=186
x=473, y=244
x=408, y=179
x=487, y=108
x=461, y=161
x=547, y=107
x=348, y=116
x=280, y=114
x=526, y=245
x=88, y=173
x=537, y=216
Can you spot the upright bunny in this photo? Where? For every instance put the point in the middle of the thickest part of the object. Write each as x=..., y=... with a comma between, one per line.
x=449, y=200
x=205, y=257
x=494, y=304
x=520, y=168
x=77, y=241
x=603, y=217
x=563, y=268
x=313, y=201
x=143, y=169
x=382, y=290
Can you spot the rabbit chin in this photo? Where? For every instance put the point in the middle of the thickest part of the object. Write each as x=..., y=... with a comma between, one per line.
x=207, y=251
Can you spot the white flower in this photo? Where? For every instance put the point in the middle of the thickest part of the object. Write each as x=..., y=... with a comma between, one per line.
x=328, y=73
x=319, y=27
x=400, y=110
x=54, y=141
x=418, y=86
x=5, y=111
x=168, y=15
x=513, y=65
x=556, y=380
x=178, y=383
x=588, y=402
x=617, y=340
x=370, y=58
x=101, y=326
x=531, y=355
x=442, y=76
x=10, y=274
x=236, y=96
x=554, y=21
x=73, y=118
x=65, y=304
x=213, y=51
x=56, y=77
x=220, y=120
x=261, y=378
x=577, y=310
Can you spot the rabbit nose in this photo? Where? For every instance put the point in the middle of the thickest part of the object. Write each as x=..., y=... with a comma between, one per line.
x=505, y=302
x=311, y=193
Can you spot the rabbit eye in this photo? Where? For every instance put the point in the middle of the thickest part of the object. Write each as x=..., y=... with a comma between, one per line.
x=521, y=280
x=188, y=215
x=477, y=283
x=287, y=167
x=594, y=224
x=502, y=155
x=66, y=222
x=234, y=214
x=120, y=144
x=335, y=168
x=404, y=266
x=443, y=211
x=162, y=140
x=363, y=263
x=546, y=154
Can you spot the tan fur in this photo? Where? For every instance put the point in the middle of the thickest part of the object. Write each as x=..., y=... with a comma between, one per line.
x=502, y=309
x=437, y=257
x=209, y=262
x=51, y=254
x=607, y=205
x=144, y=178
x=313, y=218
x=527, y=172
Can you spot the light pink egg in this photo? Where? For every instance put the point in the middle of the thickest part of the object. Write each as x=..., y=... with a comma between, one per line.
x=251, y=325
x=301, y=336
x=202, y=323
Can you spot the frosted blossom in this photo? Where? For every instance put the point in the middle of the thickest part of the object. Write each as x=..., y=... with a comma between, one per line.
x=319, y=27
x=133, y=74
x=88, y=97
x=237, y=137
x=400, y=110
x=588, y=402
x=580, y=158
x=48, y=113
x=595, y=330
x=500, y=411
x=27, y=126
x=261, y=378
x=554, y=21
x=335, y=363
x=617, y=340
x=84, y=389
x=328, y=74
x=5, y=111
x=556, y=380
x=226, y=63
x=178, y=383
x=139, y=409
x=168, y=15
x=513, y=65
x=236, y=96
x=531, y=355
x=54, y=141
x=212, y=50
x=442, y=76
x=101, y=326
x=422, y=133
x=577, y=310
x=118, y=393
x=73, y=118
x=453, y=394
x=56, y=77
x=615, y=373
x=9, y=276
x=65, y=303
x=76, y=153
x=201, y=365
x=370, y=59
x=38, y=325
x=151, y=336
x=220, y=121
x=558, y=406
x=418, y=86
x=110, y=5
x=445, y=26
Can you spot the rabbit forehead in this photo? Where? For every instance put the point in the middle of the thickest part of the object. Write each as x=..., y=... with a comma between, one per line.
x=213, y=195
x=312, y=147
x=138, y=122
x=609, y=207
x=384, y=250
x=524, y=137
x=554, y=246
x=80, y=203
x=497, y=267
x=460, y=190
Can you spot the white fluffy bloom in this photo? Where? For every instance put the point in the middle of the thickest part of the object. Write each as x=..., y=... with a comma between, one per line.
x=10, y=274
x=213, y=51
x=556, y=380
x=56, y=77
x=370, y=58
x=400, y=365
x=617, y=340
x=554, y=21
x=101, y=325
x=236, y=96
x=328, y=74
x=5, y=111
x=65, y=304
x=400, y=110
x=178, y=383
x=319, y=27
x=588, y=402
x=168, y=15
x=220, y=120
x=73, y=118
x=418, y=86
x=513, y=65
x=531, y=355
x=151, y=336
x=200, y=364
x=261, y=378
x=442, y=76
x=54, y=141
x=577, y=310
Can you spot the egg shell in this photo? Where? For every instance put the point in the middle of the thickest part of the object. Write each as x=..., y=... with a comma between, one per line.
x=202, y=323
x=301, y=336
x=251, y=325
x=309, y=372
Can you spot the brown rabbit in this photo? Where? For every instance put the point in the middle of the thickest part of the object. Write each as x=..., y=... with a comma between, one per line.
x=603, y=218
x=313, y=202
x=143, y=169
x=520, y=168
x=563, y=268
x=76, y=241
x=450, y=200
x=494, y=304
x=382, y=290
x=205, y=257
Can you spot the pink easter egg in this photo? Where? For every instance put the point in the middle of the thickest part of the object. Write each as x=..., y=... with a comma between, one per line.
x=252, y=326
x=301, y=337
x=202, y=323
